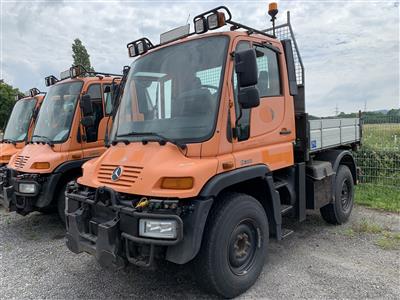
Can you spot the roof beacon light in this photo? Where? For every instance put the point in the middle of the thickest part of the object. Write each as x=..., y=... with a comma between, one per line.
x=216, y=20
x=273, y=11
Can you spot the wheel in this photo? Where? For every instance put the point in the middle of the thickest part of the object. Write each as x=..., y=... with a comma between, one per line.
x=234, y=246
x=61, y=203
x=339, y=211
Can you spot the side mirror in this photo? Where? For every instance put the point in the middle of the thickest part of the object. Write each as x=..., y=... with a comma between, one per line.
x=249, y=97
x=86, y=105
x=247, y=76
x=246, y=67
x=87, y=121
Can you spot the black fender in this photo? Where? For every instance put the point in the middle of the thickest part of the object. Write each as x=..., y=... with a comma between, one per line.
x=340, y=157
x=50, y=187
x=221, y=181
x=70, y=165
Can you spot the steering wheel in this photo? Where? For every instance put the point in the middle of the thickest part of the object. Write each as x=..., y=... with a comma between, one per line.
x=209, y=86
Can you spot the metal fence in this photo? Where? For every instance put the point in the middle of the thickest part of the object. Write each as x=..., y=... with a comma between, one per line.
x=379, y=156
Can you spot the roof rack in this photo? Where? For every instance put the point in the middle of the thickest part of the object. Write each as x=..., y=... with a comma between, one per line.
x=209, y=20
x=29, y=94
x=74, y=72
x=285, y=32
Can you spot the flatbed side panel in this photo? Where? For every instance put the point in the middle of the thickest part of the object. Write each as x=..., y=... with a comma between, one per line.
x=330, y=133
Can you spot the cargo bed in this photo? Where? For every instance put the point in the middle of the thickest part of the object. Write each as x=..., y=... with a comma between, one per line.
x=331, y=133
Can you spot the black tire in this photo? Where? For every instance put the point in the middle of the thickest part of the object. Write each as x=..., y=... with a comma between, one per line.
x=234, y=246
x=61, y=203
x=339, y=211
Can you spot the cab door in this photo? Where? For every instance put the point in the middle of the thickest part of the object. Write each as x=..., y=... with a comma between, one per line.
x=93, y=141
x=265, y=134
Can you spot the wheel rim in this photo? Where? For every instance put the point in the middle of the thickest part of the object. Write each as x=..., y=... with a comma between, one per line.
x=346, y=197
x=243, y=247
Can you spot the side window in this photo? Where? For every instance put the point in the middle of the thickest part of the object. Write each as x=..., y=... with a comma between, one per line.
x=107, y=100
x=243, y=125
x=268, y=72
x=95, y=93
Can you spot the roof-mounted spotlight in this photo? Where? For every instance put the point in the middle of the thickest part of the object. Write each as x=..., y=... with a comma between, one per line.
x=139, y=47
x=50, y=80
x=216, y=20
x=33, y=92
x=200, y=25
x=76, y=71
x=212, y=19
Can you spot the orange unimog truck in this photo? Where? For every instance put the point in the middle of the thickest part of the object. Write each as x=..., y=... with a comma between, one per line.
x=20, y=124
x=211, y=146
x=70, y=130
x=19, y=129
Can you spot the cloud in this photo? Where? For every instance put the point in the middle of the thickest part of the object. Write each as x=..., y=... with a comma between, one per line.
x=350, y=49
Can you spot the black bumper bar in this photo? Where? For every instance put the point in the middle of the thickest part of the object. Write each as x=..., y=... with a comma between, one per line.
x=110, y=231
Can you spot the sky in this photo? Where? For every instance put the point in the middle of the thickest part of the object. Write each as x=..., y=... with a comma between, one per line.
x=350, y=49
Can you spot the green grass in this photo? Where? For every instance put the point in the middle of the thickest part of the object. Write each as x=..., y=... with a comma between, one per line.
x=386, y=238
x=378, y=197
x=389, y=241
x=382, y=136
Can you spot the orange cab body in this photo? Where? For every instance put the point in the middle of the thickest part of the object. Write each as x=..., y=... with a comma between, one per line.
x=50, y=165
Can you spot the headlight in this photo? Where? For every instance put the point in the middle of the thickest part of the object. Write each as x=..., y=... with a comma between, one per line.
x=162, y=229
x=27, y=188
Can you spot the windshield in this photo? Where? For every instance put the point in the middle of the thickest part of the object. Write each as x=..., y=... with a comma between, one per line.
x=174, y=92
x=57, y=111
x=18, y=124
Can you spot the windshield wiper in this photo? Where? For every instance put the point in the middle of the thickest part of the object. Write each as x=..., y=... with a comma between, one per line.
x=9, y=141
x=50, y=142
x=162, y=139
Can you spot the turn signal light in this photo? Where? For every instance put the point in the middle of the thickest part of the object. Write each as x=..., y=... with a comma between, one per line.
x=5, y=157
x=177, y=183
x=41, y=165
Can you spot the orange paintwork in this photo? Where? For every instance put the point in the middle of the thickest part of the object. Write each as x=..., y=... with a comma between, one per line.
x=11, y=149
x=144, y=166
x=69, y=150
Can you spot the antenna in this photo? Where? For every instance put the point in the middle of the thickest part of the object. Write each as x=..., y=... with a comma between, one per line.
x=337, y=110
x=187, y=21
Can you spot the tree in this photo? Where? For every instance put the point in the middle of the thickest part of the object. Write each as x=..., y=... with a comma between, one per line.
x=80, y=55
x=7, y=101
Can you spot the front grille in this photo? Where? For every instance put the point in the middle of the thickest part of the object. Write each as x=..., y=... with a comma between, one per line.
x=20, y=161
x=128, y=177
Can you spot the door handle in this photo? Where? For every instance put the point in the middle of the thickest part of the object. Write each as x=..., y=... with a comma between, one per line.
x=285, y=131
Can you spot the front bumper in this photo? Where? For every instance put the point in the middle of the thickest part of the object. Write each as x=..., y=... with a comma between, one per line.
x=109, y=229
x=23, y=203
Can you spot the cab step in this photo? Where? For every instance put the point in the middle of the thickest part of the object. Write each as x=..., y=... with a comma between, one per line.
x=286, y=232
x=280, y=184
x=285, y=209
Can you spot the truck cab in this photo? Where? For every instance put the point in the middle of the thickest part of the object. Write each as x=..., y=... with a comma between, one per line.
x=70, y=130
x=20, y=125
x=210, y=149
x=18, y=130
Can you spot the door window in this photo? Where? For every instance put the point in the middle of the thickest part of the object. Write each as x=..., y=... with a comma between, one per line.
x=95, y=95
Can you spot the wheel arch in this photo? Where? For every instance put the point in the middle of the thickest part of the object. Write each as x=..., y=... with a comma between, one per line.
x=340, y=157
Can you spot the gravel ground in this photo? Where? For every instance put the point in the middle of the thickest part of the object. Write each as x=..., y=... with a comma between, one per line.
x=316, y=261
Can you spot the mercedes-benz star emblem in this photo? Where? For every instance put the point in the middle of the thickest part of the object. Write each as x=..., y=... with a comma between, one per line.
x=116, y=174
